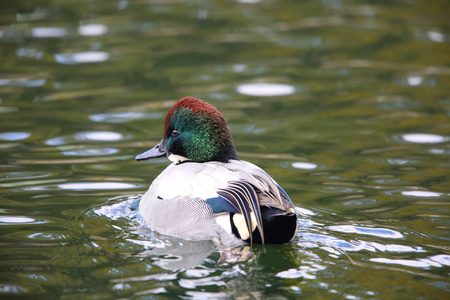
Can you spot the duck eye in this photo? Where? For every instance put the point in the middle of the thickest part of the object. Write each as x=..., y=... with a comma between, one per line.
x=175, y=133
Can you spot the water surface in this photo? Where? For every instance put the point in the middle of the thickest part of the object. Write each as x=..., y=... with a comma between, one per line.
x=344, y=103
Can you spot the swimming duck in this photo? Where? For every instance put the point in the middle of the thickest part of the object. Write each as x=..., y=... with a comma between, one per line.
x=207, y=193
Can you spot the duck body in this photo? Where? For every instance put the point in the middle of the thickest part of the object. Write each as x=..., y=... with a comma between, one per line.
x=212, y=195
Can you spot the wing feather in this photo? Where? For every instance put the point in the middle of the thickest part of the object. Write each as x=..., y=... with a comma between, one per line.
x=244, y=198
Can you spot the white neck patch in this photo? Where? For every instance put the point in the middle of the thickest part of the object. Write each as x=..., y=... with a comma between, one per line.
x=177, y=158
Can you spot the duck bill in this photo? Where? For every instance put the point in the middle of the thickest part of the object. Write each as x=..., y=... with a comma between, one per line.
x=157, y=151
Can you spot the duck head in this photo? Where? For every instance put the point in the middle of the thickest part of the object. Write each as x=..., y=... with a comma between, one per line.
x=194, y=131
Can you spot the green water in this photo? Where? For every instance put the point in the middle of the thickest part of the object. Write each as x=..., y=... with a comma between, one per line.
x=345, y=103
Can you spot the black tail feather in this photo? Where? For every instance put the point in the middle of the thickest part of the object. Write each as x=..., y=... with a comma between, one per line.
x=279, y=226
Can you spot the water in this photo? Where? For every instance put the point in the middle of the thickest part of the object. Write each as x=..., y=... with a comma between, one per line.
x=345, y=104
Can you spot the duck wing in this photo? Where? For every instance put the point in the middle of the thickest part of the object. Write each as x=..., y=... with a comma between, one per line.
x=241, y=197
x=269, y=192
x=258, y=200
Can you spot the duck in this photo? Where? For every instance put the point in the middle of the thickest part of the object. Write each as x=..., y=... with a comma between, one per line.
x=207, y=192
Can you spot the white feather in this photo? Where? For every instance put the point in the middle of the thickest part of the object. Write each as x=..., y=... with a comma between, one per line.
x=224, y=221
x=200, y=181
x=177, y=158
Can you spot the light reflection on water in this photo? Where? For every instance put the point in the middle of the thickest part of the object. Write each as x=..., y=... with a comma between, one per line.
x=355, y=129
x=265, y=89
x=14, y=136
x=82, y=57
x=91, y=152
x=432, y=261
x=182, y=255
x=380, y=232
x=15, y=219
x=424, y=138
x=418, y=194
x=83, y=186
x=23, y=82
x=423, y=194
x=304, y=165
x=120, y=117
x=48, y=32
x=103, y=136
x=93, y=29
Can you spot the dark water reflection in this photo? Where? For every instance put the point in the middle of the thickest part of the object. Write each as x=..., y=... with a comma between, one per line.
x=344, y=103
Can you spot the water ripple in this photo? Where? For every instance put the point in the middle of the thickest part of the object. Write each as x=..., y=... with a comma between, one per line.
x=82, y=57
x=395, y=248
x=84, y=186
x=380, y=232
x=22, y=175
x=433, y=261
x=15, y=220
x=23, y=82
x=329, y=243
x=121, y=209
x=48, y=32
x=14, y=136
x=121, y=117
x=305, y=271
x=98, y=136
x=393, y=102
x=442, y=259
x=47, y=236
x=11, y=288
x=196, y=283
x=418, y=194
x=102, y=136
x=421, y=194
x=158, y=277
x=91, y=152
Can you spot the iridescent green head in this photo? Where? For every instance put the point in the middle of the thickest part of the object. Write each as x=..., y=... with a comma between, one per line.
x=195, y=131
